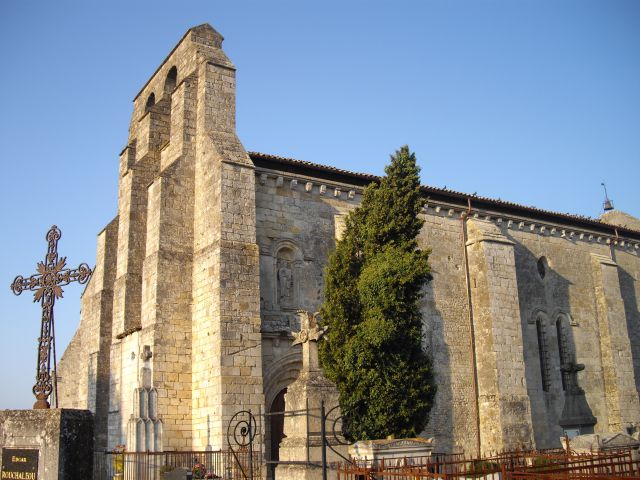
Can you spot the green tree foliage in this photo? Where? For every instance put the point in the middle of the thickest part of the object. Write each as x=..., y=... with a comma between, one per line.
x=374, y=279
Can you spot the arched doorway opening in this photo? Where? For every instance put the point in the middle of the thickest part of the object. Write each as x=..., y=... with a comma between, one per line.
x=276, y=424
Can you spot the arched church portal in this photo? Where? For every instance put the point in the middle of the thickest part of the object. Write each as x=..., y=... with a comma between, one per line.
x=276, y=424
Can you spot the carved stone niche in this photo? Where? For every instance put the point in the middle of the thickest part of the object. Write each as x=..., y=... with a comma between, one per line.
x=144, y=426
x=287, y=273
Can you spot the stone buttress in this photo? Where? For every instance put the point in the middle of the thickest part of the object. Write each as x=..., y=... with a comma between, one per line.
x=175, y=296
x=615, y=348
x=503, y=401
x=84, y=370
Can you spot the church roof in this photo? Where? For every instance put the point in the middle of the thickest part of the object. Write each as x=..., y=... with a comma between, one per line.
x=621, y=219
x=329, y=173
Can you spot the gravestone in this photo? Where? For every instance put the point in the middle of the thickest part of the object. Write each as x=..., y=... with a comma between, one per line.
x=20, y=463
x=178, y=473
x=46, y=444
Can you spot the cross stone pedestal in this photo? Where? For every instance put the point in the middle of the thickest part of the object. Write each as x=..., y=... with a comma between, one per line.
x=576, y=417
x=302, y=432
x=47, y=444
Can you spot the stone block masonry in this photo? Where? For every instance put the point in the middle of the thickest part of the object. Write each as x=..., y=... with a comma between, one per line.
x=178, y=282
x=504, y=410
x=617, y=361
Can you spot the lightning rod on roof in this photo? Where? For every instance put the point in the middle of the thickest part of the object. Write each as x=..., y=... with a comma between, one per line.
x=607, y=204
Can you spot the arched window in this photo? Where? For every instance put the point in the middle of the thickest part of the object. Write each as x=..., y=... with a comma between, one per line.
x=151, y=101
x=543, y=266
x=563, y=350
x=171, y=80
x=542, y=353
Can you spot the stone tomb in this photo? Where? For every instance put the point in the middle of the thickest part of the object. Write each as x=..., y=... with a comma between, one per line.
x=601, y=443
x=46, y=444
x=394, y=451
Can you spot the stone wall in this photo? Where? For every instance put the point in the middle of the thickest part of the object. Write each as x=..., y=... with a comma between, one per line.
x=508, y=295
x=445, y=307
x=84, y=369
x=296, y=230
x=177, y=270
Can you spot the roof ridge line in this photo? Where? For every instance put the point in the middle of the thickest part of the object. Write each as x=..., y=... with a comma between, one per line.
x=446, y=191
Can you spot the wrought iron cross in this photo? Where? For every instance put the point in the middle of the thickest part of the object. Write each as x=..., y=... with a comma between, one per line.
x=47, y=284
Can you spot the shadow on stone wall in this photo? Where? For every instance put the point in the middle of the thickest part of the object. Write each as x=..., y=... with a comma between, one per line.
x=627, y=287
x=544, y=301
x=441, y=421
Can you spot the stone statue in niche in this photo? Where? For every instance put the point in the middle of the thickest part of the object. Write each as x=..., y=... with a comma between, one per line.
x=285, y=283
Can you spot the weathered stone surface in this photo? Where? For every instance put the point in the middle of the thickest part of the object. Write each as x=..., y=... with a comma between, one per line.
x=64, y=438
x=505, y=416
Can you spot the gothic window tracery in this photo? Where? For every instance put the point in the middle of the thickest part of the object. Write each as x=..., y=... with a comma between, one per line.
x=145, y=428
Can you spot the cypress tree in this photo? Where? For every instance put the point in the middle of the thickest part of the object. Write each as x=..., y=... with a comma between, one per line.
x=373, y=283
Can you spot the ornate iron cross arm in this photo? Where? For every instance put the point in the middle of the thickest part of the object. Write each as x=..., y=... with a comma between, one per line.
x=47, y=285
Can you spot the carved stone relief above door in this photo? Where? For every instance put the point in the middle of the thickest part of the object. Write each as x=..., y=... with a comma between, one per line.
x=287, y=261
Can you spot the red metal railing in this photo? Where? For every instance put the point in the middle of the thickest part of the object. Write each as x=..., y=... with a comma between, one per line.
x=517, y=465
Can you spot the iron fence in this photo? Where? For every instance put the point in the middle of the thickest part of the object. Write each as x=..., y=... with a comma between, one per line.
x=243, y=461
x=226, y=465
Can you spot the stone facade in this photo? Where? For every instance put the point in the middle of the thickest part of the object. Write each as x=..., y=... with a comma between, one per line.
x=190, y=313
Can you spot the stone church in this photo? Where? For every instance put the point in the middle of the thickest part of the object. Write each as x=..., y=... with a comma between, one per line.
x=532, y=317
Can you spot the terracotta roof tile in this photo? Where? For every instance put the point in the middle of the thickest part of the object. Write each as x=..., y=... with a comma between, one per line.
x=332, y=173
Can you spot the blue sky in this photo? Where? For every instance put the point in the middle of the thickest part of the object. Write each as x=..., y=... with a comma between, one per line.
x=532, y=102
